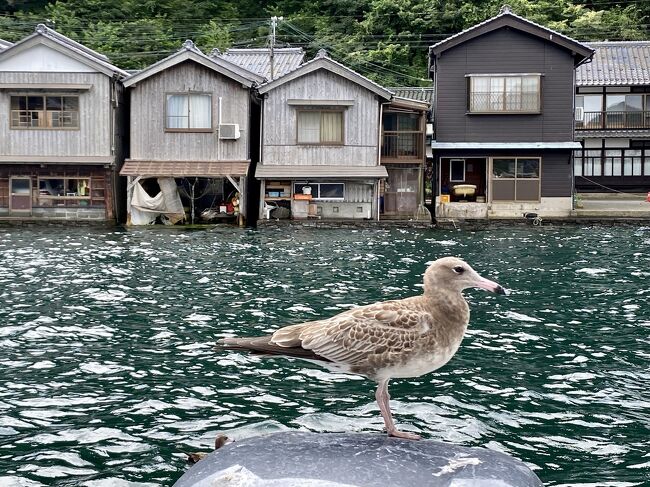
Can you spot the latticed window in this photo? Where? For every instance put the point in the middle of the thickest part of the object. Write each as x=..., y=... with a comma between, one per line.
x=44, y=111
x=504, y=93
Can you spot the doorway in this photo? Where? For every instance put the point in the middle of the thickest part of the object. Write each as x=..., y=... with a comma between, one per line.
x=20, y=195
x=464, y=179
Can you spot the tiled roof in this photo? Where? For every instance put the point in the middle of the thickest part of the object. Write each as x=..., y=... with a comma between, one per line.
x=180, y=169
x=616, y=63
x=630, y=133
x=414, y=93
x=258, y=61
x=266, y=171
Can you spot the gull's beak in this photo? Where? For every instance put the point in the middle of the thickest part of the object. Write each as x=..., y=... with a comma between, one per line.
x=491, y=286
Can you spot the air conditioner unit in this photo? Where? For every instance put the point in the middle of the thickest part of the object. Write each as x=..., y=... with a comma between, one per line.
x=580, y=114
x=229, y=131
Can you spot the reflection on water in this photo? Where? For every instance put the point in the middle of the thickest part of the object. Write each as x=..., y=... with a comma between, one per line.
x=109, y=373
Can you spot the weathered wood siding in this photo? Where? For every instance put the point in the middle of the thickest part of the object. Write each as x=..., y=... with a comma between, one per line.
x=501, y=52
x=93, y=138
x=148, y=139
x=360, y=122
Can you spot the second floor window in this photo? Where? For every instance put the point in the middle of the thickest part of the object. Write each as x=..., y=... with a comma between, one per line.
x=188, y=112
x=320, y=127
x=44, y=112
x=403, y=136
x=619, y=111
x=504, y=94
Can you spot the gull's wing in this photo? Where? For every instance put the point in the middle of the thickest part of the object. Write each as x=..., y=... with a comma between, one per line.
x=361, y=337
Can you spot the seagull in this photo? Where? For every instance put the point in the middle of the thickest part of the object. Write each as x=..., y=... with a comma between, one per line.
x=387, y=340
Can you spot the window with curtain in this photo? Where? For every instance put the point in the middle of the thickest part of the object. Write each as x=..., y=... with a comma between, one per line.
x=504, y=94
x=320, y=127
x=191, y=112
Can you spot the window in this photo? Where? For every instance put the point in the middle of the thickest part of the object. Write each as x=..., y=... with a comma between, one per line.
x=188, y=112
x=516, y=179
x=589, y=111
x=402, y=136
x=63, y=191
x=44, y=112
x=504, y=94
x=322, y=191
x=320, y=127
x=457, y=170
x=611, y=162
x=624, y=111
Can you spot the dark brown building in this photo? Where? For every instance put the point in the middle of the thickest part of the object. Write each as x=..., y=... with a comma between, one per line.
x=503, y=124
x=612, y=114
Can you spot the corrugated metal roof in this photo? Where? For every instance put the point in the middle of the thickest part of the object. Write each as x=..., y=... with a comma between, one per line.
x=258, y=60
x=616, y=63
x=321, y=172
x=505, y=145
x=414, y=93
x=179, y=169
x=605, y=134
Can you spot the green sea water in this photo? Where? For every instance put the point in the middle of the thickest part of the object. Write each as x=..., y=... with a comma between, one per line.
x=108, y=373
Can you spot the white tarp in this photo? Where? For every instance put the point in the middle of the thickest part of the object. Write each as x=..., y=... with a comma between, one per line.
x=145, y=209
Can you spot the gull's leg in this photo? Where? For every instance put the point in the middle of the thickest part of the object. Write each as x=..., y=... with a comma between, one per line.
x=383, y=399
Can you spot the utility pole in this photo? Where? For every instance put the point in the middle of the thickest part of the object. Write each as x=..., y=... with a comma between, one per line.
x=274, y=23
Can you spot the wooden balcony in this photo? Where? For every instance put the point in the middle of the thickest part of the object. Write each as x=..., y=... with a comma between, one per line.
x=402, y=146
x=612, y=120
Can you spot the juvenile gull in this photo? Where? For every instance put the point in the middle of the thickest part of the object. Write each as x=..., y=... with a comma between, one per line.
x=391, y=339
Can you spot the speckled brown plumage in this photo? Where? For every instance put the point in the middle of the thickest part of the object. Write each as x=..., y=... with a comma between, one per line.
x=392, y=339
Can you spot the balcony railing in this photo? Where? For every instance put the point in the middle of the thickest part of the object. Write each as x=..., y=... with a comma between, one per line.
x=402, y=145
x=612, y=120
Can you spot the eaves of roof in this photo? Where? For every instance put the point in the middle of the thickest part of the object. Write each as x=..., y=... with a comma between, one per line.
x=322, y=61
x=506, y=18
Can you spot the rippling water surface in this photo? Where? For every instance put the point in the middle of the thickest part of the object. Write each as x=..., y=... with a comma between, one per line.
x=108, y=374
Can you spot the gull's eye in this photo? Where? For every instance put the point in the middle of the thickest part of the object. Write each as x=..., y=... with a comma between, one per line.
x=459, y=269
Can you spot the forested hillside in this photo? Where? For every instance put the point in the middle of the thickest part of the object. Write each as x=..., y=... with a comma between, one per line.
x=385, y=40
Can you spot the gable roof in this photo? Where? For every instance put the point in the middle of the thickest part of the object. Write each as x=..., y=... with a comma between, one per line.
x=506, y=18
x=51, y=38
x=257, y=60
x=4, y=44
x=615, y=64
x=323, y=61
x=189, y=52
